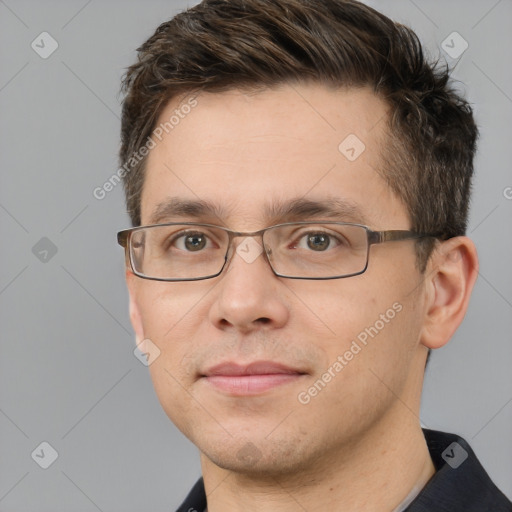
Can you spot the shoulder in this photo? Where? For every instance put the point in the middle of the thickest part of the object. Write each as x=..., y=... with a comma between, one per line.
x=460, y=482
x=195, y=500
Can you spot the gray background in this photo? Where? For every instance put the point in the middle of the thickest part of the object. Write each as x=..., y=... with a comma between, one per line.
x=68, y=375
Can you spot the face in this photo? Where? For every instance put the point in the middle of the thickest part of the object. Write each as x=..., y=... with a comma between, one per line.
x=329, y=351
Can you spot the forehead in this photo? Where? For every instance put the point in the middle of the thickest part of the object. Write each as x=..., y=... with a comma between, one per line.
x=243, y=151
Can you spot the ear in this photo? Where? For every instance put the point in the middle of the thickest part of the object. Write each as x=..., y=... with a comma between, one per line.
x=450, y=275
x=135, y=314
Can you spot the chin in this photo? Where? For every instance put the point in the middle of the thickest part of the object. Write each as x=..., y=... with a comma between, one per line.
x=258, y=457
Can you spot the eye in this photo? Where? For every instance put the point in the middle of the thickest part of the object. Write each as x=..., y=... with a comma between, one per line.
x=317, y=241
x=191, y=242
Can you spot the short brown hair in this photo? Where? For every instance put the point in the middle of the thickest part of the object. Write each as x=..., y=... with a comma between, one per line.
x=226, y=44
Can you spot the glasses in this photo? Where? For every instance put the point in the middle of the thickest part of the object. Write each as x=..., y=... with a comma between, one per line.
x=294, y=250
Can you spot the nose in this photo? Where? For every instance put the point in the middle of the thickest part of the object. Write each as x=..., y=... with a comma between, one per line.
x=249, y=296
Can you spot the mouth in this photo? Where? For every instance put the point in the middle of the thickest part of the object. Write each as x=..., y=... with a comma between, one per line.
x=251, y=379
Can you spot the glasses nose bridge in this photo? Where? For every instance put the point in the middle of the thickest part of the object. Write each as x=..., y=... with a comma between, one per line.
x=232, y=248
x=245, y=234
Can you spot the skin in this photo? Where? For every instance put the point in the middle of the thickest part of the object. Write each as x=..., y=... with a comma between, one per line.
x=357, y=444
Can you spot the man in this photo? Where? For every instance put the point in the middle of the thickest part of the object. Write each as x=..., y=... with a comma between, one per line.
x=298, y=180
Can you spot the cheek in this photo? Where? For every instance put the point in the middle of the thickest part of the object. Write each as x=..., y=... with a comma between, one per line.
x=340, y=309
x=172, y=314
x=368, y=341
x=369, y=328
x=168, y=308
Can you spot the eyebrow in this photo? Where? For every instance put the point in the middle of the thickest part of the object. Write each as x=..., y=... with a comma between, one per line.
x=304, y=209
x=175, y=207
x=275, y=212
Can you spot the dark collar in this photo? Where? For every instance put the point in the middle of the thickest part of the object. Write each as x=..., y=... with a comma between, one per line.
x=460, y=483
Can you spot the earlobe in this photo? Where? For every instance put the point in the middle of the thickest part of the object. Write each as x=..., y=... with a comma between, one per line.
x=451, y=274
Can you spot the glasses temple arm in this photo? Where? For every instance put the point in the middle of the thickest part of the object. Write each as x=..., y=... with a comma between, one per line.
x=378, y=237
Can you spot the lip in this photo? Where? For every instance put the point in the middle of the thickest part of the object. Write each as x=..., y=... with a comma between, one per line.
x=250, y=379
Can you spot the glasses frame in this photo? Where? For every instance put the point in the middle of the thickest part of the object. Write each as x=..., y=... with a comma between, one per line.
x=373, y=237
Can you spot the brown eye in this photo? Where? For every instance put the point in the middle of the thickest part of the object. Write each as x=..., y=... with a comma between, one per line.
x=195, y=242
x=318, y=241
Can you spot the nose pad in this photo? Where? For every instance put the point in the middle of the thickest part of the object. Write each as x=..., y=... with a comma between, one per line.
x=230, y=254
x=267, y=254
